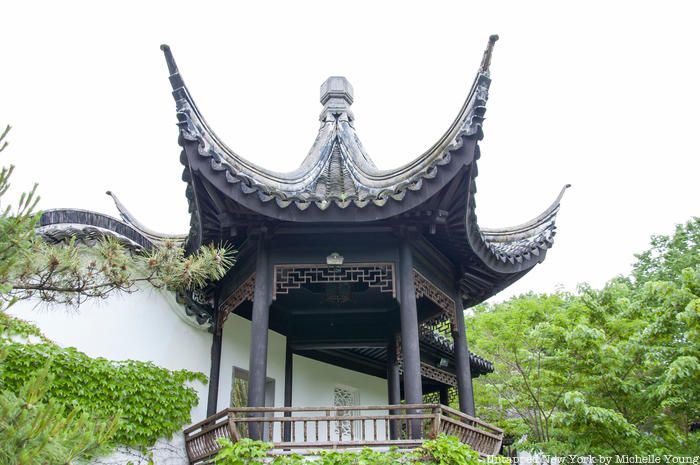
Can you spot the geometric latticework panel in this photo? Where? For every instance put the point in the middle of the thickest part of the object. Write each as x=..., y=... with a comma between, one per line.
x=436, y=374
x=437, y=330
x=376, y=275
x=245, y=291
x=425, y=288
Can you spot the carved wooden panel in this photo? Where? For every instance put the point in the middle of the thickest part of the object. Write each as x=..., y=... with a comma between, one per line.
x=425, y=288
x=376, y=275
x=436, y=374
x=245, y=291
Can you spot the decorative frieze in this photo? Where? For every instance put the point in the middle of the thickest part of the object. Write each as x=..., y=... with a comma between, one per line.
x=376, y=275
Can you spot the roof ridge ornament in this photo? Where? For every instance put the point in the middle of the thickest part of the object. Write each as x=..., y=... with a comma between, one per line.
x=336, y=97
x=486, y=60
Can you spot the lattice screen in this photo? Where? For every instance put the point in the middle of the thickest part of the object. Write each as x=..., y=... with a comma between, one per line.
x=345, y=397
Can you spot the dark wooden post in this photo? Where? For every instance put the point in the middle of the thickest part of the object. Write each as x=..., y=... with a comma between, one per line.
x=260, y=322
x=288, y=374
x=393, y=382
x=464, y=373
x=214, y=371
x=410, y=345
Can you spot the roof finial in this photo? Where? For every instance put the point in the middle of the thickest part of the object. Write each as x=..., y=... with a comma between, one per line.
x=486, y=61
x=336, y=97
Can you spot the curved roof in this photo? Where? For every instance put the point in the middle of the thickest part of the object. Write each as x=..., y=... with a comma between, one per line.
x=337, y=170
x=337, y=176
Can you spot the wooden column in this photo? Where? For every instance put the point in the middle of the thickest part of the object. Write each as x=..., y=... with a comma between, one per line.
x=393, y=382
x=260, y=322
x=464, y=373
x=410, y=345
x=288, y=377
x=214, y=371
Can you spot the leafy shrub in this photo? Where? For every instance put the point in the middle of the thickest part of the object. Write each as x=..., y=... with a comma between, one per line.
x=445, y=450
x=243, y=452
x=151, y=402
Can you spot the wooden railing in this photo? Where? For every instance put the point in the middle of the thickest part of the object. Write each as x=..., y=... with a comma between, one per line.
x=309, y=429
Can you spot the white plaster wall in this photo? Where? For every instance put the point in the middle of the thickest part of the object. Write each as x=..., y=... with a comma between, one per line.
x=313, y=384
x=235, y=352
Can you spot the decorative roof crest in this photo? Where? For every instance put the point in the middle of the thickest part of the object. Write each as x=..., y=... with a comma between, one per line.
x=336, y=98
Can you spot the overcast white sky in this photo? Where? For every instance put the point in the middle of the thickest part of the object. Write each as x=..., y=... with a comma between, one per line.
x=602, y=95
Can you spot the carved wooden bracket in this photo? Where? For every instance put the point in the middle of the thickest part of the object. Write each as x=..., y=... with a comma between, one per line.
x=244, y=292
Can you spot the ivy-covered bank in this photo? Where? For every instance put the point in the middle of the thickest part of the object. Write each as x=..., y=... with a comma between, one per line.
x=144, y=402
x=444, y=450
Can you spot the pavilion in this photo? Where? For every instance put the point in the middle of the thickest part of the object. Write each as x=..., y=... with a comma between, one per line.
x=357, y=267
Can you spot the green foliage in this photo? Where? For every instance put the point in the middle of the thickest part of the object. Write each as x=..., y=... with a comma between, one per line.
x=367, y=457
x=16, y=227
x=447, y=450
x=72, y=273
x=668, y=256
x=290, y=459
x=150, y=401
x=444, y=450
x=36, y=429
x=607, y=371
x=243, y=452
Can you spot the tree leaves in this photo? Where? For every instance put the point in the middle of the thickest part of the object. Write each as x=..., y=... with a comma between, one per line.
x=601, y=371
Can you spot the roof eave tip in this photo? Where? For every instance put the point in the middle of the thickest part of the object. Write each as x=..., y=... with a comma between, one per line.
x=486, y=61
x=169, y=59
x=562, y=192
